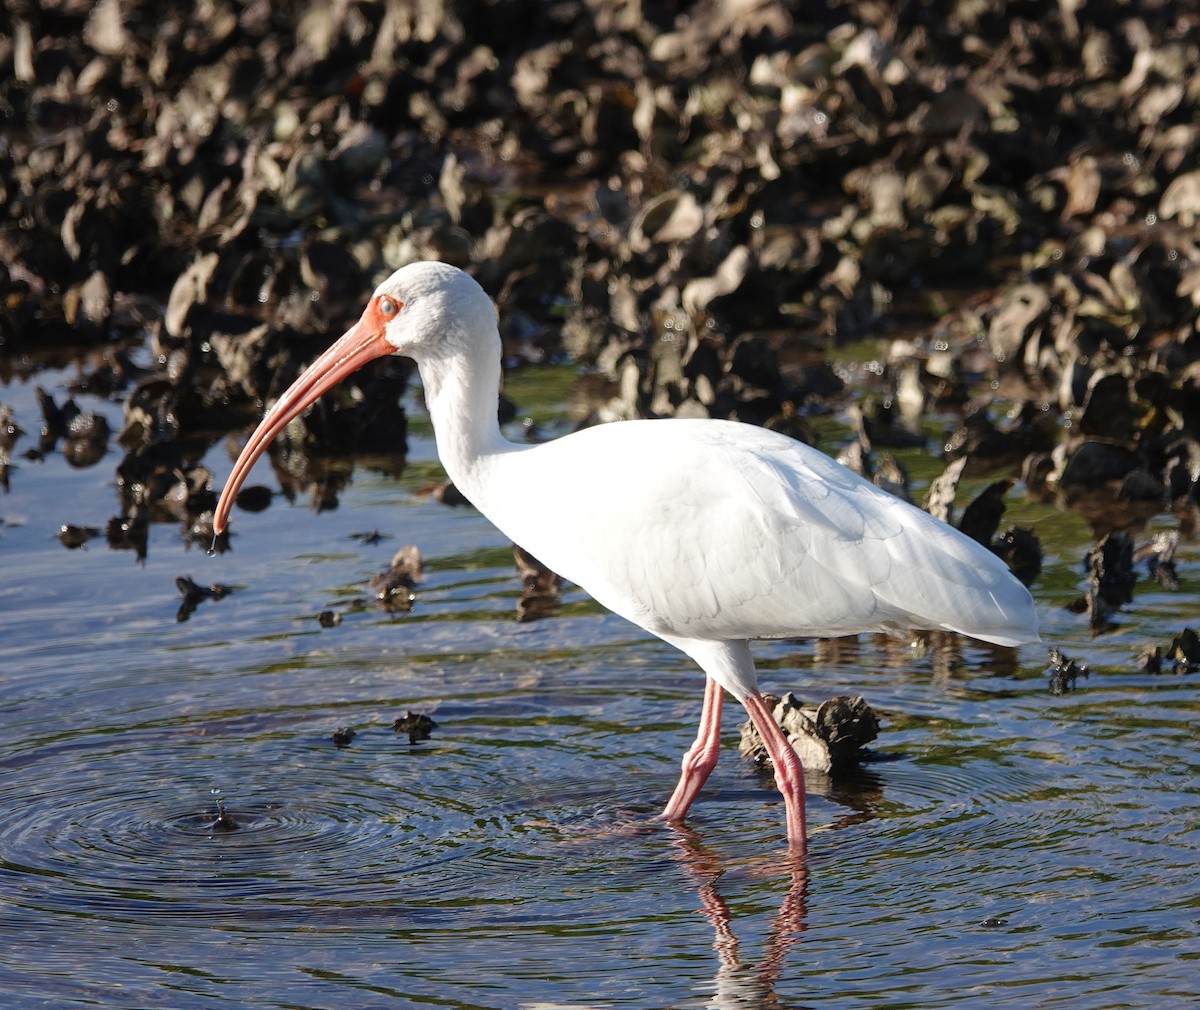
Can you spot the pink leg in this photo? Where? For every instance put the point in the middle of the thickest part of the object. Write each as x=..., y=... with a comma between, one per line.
x=701, y=757
x=789, y=773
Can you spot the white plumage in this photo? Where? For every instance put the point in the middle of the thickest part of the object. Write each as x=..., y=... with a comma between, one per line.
x=706, y=533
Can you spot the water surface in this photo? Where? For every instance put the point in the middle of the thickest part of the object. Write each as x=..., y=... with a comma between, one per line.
x=181, y=831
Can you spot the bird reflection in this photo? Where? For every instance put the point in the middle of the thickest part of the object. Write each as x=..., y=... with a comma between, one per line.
x=743, y=982
x=943, y=649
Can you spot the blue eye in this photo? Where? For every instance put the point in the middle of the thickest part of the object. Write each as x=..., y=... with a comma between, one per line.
x=388, y=306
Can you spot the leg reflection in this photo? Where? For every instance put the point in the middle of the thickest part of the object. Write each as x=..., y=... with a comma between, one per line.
x=740, y=982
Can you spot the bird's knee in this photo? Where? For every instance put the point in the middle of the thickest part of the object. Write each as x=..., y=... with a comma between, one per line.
x=702, y=757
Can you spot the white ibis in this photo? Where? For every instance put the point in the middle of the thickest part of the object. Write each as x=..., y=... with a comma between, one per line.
x=705, y=533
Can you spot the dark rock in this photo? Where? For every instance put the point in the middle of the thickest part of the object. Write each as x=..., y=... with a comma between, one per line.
x=1091, y=464
x=1110, y=569
x=447, y=494
x=828, y=737
x=73, y=537
x=1065, y=672
x=981, y=518
x=540, y=588
x=393, y=589
x=1185, y=651
x=1022, y=552
x=417, y=725
x=1107, y=411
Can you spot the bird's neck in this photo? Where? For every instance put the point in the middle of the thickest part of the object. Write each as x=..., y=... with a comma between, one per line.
x=463, y=399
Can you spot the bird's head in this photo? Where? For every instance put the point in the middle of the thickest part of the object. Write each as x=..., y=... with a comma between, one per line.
x=426, y=311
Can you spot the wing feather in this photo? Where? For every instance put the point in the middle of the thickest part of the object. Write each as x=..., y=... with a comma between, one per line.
x=726, y=530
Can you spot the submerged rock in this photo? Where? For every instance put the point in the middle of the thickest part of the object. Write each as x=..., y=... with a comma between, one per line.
x=73, y=537
x=540, y=587
x=1064, y=672
x=393, y=589
x=417, y=725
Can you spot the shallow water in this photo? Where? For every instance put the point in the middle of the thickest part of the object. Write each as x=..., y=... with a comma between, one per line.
x=181, y=831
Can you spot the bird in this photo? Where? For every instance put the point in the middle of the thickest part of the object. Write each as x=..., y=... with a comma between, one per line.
x=707, y=533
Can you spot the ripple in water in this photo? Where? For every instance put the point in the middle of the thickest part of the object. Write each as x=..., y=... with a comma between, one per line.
x=102, y=827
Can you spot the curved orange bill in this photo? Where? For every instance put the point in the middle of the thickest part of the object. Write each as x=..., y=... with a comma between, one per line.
x=363, y=342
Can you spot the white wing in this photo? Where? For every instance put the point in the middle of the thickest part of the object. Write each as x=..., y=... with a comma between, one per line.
x=721, y=530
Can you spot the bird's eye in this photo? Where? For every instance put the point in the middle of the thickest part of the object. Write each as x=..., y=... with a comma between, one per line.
x=388, y=307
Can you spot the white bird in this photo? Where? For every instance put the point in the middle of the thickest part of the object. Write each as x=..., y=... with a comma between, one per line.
x=705, y=533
